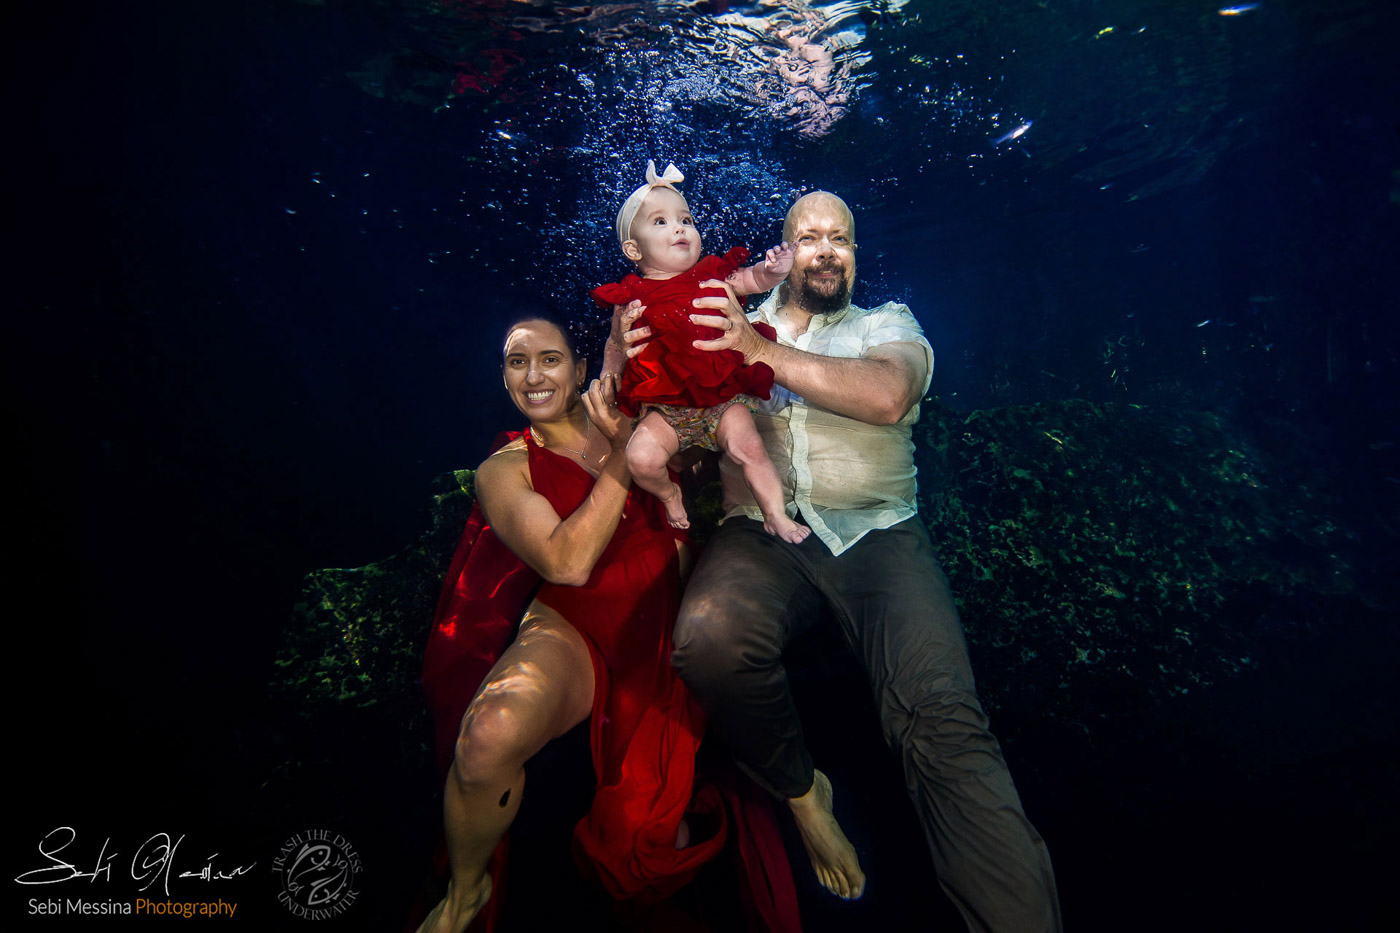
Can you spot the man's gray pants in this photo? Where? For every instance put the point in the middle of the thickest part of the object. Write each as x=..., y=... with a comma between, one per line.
x=751, y=593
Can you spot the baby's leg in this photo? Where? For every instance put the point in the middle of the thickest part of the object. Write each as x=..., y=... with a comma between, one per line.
x=739, y=438
x=653, y=443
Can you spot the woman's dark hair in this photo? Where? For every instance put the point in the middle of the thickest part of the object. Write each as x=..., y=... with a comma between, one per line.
x=548, y=316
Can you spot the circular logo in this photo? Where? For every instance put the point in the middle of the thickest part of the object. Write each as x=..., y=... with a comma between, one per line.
x=317, y=869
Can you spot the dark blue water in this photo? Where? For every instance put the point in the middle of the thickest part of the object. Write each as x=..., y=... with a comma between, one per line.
x=263, y=253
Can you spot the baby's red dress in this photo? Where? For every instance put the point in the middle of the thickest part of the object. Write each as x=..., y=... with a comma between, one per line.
x=670, y=371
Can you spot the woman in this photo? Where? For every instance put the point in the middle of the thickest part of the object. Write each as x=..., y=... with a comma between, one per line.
x=595, y=641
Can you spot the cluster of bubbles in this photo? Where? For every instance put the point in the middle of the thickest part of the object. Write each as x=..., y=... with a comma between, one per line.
x=755, y=103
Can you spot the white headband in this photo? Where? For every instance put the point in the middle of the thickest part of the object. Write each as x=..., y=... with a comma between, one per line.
x=667, y=179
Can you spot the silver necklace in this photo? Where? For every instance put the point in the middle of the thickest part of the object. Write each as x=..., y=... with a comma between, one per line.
x=586, y=433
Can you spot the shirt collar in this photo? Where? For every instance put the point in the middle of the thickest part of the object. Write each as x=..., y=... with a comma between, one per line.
x=769, y=309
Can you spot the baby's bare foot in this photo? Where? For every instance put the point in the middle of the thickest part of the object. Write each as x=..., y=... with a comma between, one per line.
x=675, y=508
x=783, y=527
x=449, y=917
x=833, y=857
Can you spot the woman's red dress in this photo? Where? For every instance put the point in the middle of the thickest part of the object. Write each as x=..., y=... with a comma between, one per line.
x=645, y=727
x=670, y=371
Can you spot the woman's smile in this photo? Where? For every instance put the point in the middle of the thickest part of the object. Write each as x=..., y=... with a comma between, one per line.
x=540, y=370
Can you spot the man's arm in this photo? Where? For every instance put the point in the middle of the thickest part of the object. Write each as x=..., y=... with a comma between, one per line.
x=878, y=387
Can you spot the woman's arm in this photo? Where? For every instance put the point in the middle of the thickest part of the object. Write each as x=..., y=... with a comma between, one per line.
x=562, y=551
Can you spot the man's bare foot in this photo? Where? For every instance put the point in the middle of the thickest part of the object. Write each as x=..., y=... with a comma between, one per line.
x=448, y=917
x=675, y=508
x=833, y=857
x=780, y=526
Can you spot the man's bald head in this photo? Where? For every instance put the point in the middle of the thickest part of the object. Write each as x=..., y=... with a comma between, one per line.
x=821, y=230
x=823, y=202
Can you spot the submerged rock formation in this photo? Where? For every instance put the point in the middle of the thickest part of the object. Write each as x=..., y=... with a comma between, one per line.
x=1107, y=551
x=1106, y=559
x=355, y=644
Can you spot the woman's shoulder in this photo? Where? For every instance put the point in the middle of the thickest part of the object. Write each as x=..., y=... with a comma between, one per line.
x=511, y=459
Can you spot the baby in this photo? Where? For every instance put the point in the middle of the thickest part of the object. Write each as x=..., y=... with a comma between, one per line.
x=688, y=396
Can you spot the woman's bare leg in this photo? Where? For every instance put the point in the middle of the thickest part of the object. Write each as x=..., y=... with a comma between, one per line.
x=540, y=688
x=738, y=437
x=653, y=444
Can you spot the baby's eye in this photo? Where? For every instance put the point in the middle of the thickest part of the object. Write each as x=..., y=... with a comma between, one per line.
x=660, y=221
x=687, y=220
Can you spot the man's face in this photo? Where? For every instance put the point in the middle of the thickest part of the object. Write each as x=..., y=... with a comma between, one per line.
x=821, y=231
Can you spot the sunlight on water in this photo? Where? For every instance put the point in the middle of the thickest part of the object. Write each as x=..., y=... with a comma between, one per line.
x=581, y=97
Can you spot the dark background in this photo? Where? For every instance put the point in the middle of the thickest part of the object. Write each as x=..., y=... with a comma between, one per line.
x=220, y=376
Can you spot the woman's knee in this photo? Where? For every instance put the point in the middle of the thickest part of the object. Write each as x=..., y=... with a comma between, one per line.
x=491, y=745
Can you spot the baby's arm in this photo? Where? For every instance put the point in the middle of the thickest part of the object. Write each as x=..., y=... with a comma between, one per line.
x=763, y=276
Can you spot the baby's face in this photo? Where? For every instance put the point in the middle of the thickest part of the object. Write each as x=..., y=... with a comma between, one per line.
x=664, y=239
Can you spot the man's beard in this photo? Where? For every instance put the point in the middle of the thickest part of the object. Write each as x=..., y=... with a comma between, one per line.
x=814, y=301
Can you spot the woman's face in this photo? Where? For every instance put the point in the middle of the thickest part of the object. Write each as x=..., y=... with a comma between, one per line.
x=541, y=373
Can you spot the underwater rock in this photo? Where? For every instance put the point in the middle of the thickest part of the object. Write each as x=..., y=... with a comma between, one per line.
x=1106, y=559
x=1106, y=556
x=355, y=644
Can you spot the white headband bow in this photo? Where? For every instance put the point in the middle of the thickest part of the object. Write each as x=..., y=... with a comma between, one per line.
x=667, y=179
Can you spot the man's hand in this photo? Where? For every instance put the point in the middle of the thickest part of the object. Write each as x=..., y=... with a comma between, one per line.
x=778, y=260
x=878, y=387
x=738, y=332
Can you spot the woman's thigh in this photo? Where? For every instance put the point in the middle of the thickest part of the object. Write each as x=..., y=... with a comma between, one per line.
x=541, y=687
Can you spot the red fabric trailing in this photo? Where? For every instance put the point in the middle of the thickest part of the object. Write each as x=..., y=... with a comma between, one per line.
x=645, y=728
x=482, y=599
x=670, y=370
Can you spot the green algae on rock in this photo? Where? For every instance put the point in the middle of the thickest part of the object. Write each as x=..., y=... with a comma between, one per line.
x=358, y=634
x=1105, y=550
x=1105, y=558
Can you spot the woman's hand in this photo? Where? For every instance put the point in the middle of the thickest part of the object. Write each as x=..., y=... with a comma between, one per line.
x=600, y=401
x=738, y=332
x=624, y=336
x=623, y=341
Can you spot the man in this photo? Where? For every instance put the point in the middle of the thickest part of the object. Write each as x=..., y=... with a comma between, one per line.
x=838, y=429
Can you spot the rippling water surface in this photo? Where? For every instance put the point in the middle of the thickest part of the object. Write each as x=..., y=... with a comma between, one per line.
x=267, y=249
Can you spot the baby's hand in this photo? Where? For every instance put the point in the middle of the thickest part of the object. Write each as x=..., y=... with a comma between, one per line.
x=778, y=260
